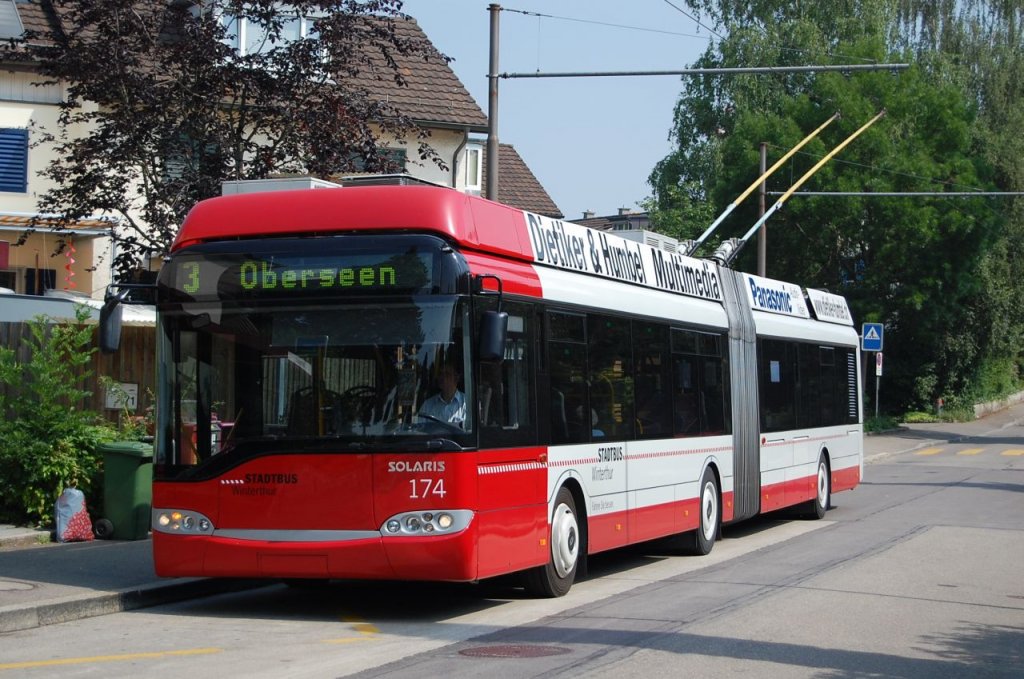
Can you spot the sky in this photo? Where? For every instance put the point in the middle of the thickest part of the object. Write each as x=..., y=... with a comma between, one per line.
x=592, y=142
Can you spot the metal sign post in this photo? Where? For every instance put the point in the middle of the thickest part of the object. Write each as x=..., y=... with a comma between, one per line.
x=878, y=378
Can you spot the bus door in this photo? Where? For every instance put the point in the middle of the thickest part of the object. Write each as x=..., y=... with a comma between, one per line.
x=512, y=470
x=777, y=375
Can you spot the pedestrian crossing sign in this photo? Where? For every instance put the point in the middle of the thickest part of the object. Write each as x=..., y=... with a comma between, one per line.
x=871, y=337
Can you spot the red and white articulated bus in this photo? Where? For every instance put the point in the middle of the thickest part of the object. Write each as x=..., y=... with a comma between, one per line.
x=613, y=392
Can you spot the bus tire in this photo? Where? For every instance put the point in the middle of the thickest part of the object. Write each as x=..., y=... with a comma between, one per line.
x=556, y=577
x=701, y=541
x=816, y=508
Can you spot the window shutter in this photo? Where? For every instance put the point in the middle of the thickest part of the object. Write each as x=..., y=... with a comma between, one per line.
x=14, y=160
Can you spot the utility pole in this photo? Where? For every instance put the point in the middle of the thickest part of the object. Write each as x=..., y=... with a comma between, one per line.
x=491, y=190
x=762, y=237
x=491, y=187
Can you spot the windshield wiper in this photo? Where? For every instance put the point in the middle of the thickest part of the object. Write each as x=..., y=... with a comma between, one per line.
x=443, y=444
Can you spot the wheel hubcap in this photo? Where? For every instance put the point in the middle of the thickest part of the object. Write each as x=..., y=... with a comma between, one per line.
x=564, y=540
x=822, y=484
x=709, y=511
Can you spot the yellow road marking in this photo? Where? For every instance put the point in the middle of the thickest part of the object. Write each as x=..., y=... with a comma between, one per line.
x=366, y=630
x=970, y=451
x=1013, y=452
x=105, y=658
x=929, y=451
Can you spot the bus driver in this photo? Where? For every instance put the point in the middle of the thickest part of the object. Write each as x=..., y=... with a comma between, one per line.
x=449, y=404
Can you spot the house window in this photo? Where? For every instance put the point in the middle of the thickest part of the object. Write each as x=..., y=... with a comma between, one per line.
x=474, y=168
x=14, y=160
x=10, y=21
x=389, y=160
x=248, y=37
x=38, y=281
x=9, y=280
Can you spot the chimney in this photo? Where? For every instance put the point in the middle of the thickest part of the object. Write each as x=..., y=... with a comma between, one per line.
x=588, y=214
x=624, y=211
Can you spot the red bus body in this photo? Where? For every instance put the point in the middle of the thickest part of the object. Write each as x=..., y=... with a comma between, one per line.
x=296, y=512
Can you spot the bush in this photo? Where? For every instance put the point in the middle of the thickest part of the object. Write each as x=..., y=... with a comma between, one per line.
x=880, y=423
x=47, y=440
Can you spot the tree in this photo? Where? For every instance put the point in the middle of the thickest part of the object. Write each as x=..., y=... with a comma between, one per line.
x=165, y=100
x=927, y=268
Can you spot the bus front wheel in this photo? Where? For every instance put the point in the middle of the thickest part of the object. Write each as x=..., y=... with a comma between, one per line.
x=556, y=577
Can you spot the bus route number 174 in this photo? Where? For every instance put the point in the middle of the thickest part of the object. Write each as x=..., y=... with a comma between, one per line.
x=421, y=489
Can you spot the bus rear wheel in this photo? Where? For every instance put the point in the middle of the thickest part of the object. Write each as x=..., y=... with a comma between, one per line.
x=816, y=508
x=556, y=577
x=702, y=540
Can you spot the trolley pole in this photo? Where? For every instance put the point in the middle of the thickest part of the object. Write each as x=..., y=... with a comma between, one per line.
x=491, y=190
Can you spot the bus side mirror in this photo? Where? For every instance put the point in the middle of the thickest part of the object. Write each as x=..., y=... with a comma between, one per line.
x=493, y=329
x=110, y=322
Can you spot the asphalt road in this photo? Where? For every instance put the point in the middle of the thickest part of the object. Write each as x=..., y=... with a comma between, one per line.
x=917, y=573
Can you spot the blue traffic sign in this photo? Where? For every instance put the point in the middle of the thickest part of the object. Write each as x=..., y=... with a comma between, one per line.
x=871, y=337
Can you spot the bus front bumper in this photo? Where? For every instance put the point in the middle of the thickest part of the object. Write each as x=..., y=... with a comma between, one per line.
x=438, y=557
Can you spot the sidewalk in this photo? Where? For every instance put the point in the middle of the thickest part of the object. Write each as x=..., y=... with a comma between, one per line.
x=43, y=584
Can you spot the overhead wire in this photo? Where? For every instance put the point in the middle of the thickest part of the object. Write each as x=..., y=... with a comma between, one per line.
x=602, y=23
x=693, y=19
x=878, y=169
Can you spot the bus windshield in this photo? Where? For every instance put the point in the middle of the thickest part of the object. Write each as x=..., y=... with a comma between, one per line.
x=308, y=374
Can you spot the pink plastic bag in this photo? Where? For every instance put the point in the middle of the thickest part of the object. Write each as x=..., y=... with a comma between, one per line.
x=73, y=522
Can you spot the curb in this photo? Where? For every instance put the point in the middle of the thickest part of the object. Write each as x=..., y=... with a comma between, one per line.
x=76, y=607
x=35, y=538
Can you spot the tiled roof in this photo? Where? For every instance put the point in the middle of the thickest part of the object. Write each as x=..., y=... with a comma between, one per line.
x=517, y=185
x=433, y=95
x=36, y=18
x=432, y=92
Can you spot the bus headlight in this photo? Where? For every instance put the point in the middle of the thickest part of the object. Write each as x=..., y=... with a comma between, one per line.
x=181, y=522
x=444, y=522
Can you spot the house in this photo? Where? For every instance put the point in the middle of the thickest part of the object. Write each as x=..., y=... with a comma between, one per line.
x=631, y=225
x=518, y=186
x=80, y=259
x=624, y=220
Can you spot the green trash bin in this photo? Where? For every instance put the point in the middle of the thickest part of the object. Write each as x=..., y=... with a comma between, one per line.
x=127, y=490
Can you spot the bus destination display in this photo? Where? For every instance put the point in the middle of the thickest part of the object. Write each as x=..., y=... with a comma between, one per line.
x=214, y=277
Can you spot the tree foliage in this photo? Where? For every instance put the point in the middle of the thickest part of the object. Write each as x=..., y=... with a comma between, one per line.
x=161, y=107
x=47, y=439
x=941, y=273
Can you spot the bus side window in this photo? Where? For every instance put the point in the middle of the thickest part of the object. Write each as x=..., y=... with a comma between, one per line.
x=699, y=384
x=611, y=377
x=653, y=381
x=777, y=376
x=571, y=416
